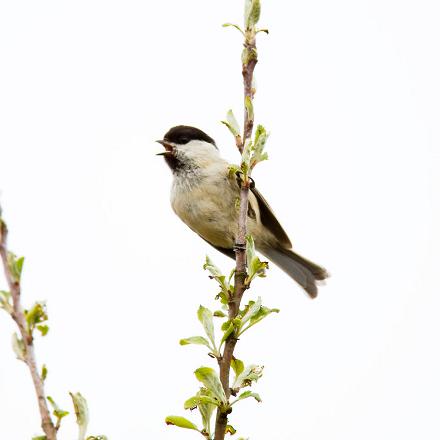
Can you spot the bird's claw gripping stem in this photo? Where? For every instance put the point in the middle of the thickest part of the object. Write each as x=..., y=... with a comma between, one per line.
x=239, y=247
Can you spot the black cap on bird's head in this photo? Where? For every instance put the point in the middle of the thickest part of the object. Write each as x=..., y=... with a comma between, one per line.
x=180, y=136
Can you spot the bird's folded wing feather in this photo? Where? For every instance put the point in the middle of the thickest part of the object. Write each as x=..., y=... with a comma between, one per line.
x=270, y=221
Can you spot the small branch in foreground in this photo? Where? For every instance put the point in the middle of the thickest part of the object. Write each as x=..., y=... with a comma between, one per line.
x=12, y=269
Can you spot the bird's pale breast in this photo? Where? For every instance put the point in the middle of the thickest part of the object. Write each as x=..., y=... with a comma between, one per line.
x=206, y=206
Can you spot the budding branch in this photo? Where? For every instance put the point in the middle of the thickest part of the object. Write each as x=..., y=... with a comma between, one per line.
x=18, y=316
x=224, y=361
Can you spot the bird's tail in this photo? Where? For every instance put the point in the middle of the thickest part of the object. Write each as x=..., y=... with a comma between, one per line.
x=303, y=271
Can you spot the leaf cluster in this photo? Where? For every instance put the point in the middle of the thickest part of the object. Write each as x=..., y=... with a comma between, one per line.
x=15, y=266
x=211, y=395
x=253, y=152
x=82, y=417
x=36, y=317
x=57, y=411
x=252, y=13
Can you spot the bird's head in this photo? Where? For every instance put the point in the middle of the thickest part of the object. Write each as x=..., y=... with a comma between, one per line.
x=187, y=148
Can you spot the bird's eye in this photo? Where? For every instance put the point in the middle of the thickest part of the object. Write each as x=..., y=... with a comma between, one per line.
x=183, y=140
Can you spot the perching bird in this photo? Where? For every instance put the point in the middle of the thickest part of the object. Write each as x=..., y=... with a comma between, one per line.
x=204, y=196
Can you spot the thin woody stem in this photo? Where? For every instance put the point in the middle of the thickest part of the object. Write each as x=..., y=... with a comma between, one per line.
x=248, y=73
x=29, y=354
x=240, y=242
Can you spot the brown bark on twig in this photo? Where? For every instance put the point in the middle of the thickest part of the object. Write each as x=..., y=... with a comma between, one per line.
x=248, y=73
x=20, y=320
x=240, y=243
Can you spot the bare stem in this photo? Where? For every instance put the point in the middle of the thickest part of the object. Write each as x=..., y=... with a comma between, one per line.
x=224, y=361
x=19, y=318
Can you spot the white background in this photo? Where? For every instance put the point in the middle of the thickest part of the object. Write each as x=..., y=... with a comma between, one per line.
x=350, y=92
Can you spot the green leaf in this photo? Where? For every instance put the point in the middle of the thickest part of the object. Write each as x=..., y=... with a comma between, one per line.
x=216, y=274
x=249, y=107
x=40, y=437
x=15, y=266
x=36, y=315
x=99, y=437
x=43, y=329
x=262, y=313
x=234, y=26
x=57, y=411
x=238, y=366
x=229, y=128
x=211, y=381
x=19, y=263
x=230, y=430
x=250, y=374
x=259, y=143
x=252, y=310
x=206, y=409
x=231, y=275
x=219, y=314
x=237, y=322
x=5, y=301
x=230, y=117
x=225, y=325
x=232, y=124
x=195, y=401
x=250, y=249
x=19, y=347
x=205, y=317
x=260, y=132
x=256, y=267
x=198, y=340
x=233, y=170
x=246, y=158
x=44, y=372
x=252, y=13
x=82, y=414
x=181, y=422
x=225, y=286
x=247, y=394
x=212, y=268
x=247, y=12
x=229, y=329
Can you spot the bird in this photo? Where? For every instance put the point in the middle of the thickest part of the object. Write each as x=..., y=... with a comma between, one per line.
x=204, y=196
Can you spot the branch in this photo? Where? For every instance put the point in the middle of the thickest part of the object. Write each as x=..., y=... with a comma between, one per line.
x=249, y=61
x=17, y=315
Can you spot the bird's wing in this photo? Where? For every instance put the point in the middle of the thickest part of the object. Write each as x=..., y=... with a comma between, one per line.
x=270, y=221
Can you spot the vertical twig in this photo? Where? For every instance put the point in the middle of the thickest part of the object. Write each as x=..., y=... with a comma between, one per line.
x=29, y=354
x=248, y=66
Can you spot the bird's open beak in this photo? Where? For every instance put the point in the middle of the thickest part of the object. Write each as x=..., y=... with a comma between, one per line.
x=168, y=148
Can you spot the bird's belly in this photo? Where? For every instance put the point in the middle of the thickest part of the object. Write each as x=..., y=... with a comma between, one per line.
x=211, y=210
x=210, y=215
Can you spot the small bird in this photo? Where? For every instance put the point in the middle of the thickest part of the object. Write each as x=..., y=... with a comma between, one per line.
x=204, y=196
